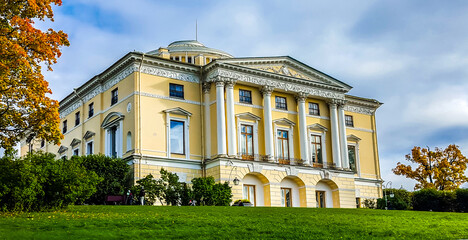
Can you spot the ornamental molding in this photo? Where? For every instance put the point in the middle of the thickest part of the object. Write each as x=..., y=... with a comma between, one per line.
x=155, y=71
x=359, y=109
x=255, y=167
x=217, y=75
x=291, y=171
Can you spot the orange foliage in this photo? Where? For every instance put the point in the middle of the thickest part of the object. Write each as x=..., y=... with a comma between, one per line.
x=439, y=169
x=24, y=107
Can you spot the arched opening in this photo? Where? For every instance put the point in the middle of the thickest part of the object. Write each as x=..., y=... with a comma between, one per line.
x=256, y=188
x=129, y=141
x=326, y=193
x=293, y=192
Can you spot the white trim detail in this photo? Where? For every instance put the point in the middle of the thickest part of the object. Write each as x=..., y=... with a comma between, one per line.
x=168, y=98
x=186, y=121
x=290, y=130
x=255, y=133
x=318, y=130
x=361, y=129
x=248, y=105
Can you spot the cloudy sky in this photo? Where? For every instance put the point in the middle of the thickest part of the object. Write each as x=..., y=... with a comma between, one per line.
x=410, y=55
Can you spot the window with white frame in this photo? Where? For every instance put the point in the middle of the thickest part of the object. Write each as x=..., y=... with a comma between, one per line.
x=316, y=148
x=282, y=145
x=317, y=145
x=178, y=121
x=284, y=129
x=76, y=152
x=246, y=145
x=352, y=157
x=113, y=124
x=353, y=153
x=247, y=129
x=129, y=141
x=177, y=137
x=89, y=148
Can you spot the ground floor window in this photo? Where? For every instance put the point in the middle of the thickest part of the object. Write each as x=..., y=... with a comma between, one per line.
x=286, y=197
x=320, y=196
x=177, y=137
x=76, y=152
x=249, y=193
x=89, y=148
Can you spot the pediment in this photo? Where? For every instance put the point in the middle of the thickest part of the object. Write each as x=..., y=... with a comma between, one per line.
x=75, y=142
x=284, y=121
x=111, y=119
x=288, y=67
x=353, y=138
x=318, y=127
x=88, y=135
x=178, y=111
x=62, y=149
x=248, y=116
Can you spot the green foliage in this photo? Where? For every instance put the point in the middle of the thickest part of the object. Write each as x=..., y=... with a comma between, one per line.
x=462, y=200
x=172, y=187
x=369, y=203
x=166, y=189
x=400, y=201
x=241, y=200
x=39, y=182
x=208, y=193
x=153, y=190
x=114, y=172
x=433, y=200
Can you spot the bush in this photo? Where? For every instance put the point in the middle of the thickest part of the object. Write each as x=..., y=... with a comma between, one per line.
x=461, y=200
x=39, y=182
x=114, y=172
x=207, y=192
x=401, y=200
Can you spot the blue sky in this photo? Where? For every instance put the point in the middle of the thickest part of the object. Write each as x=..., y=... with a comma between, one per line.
x=410, y=55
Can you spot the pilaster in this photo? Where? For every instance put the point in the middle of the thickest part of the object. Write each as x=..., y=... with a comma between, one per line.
x=343, y=139
x=220, y=117
x=268, y=121
x=301, y=97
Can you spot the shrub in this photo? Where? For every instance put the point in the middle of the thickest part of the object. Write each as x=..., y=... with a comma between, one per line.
x=401, y=200
x=426, y=200
x=369, y=203
x=461, y=200
x=39, y=182
x=114, y=172
x=207, y=192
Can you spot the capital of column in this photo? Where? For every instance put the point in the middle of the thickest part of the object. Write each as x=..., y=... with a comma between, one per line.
x=336, y=102
x=301, y=97
x=267, y=90
x=219, y=83
x=230, y=83
x=206, y=87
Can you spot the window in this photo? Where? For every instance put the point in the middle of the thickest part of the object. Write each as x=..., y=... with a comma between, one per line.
x=76, y=152
x=42, y=143
x=320, y=196
x=64, y=127
x=177, y=137
x=177, y=58
x=352, y=157
x=176, y=90
x=77, y=118
x=129, y=141
x=246, y=145
x=358, y=202
x=281, y=103
x=283, y=147
x=314, y=109
x=189, y=59
x=316, y=145
x=286, y=197
x=349, y=121
x=245, y=96
x=113, y=141
x=89, y=148
x=90, y=110
x=249, y=193
x=114, y=96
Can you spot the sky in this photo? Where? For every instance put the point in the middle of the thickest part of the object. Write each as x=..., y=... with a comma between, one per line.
x=410, y=55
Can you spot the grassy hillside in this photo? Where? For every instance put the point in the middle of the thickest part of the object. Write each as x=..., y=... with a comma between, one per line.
x=148, y=222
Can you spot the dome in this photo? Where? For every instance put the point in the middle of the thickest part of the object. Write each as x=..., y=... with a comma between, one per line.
x=193, y=46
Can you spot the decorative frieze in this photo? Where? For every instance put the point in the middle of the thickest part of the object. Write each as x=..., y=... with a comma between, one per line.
x=170, y=74
x=359, y=109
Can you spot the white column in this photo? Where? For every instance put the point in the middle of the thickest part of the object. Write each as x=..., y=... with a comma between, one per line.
x=268, y=121
x=343, y=140
x=220, y=118
x=206, y=98
x=303, y=128
x=335, y=135
x=231, y=122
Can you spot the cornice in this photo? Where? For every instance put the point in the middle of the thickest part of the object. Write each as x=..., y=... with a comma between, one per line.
x=284, y=83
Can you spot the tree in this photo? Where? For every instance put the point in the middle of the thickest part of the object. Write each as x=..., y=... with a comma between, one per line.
x=24, y=106
x=439, y=169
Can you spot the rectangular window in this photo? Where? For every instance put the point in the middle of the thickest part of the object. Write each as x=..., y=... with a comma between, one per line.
x=320, y=196
x=177, y=136
x=90, y=110
x=189, y=59
x=281, y=103
x=113, y=141
x=314, y=109
x=64, y=127
x=352, y=157
x=245, y=96
x=76, y=152
x=283, y=147
x=358, y=202
x=176, y=90
x=177, y=58
x=349, y=121
x=249, y=193
x=114, y=96
x=247, y=142
x=77, y=118
x=316, y=145
x=286, y=197
x=89, y=148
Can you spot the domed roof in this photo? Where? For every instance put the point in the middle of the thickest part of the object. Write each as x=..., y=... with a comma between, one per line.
x=193, y=46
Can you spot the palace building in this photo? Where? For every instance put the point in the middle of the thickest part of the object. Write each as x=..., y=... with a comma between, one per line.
x=281, y=132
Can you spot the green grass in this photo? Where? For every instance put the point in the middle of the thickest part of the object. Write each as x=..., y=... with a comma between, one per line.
x=150, y=222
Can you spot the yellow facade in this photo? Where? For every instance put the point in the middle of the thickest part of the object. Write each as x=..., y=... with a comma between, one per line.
x=138, y=116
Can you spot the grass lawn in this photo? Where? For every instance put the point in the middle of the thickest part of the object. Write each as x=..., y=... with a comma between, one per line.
x=150, y=222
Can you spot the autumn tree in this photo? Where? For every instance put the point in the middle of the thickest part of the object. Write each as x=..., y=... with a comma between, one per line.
x=25, y=110
x=439, y=169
